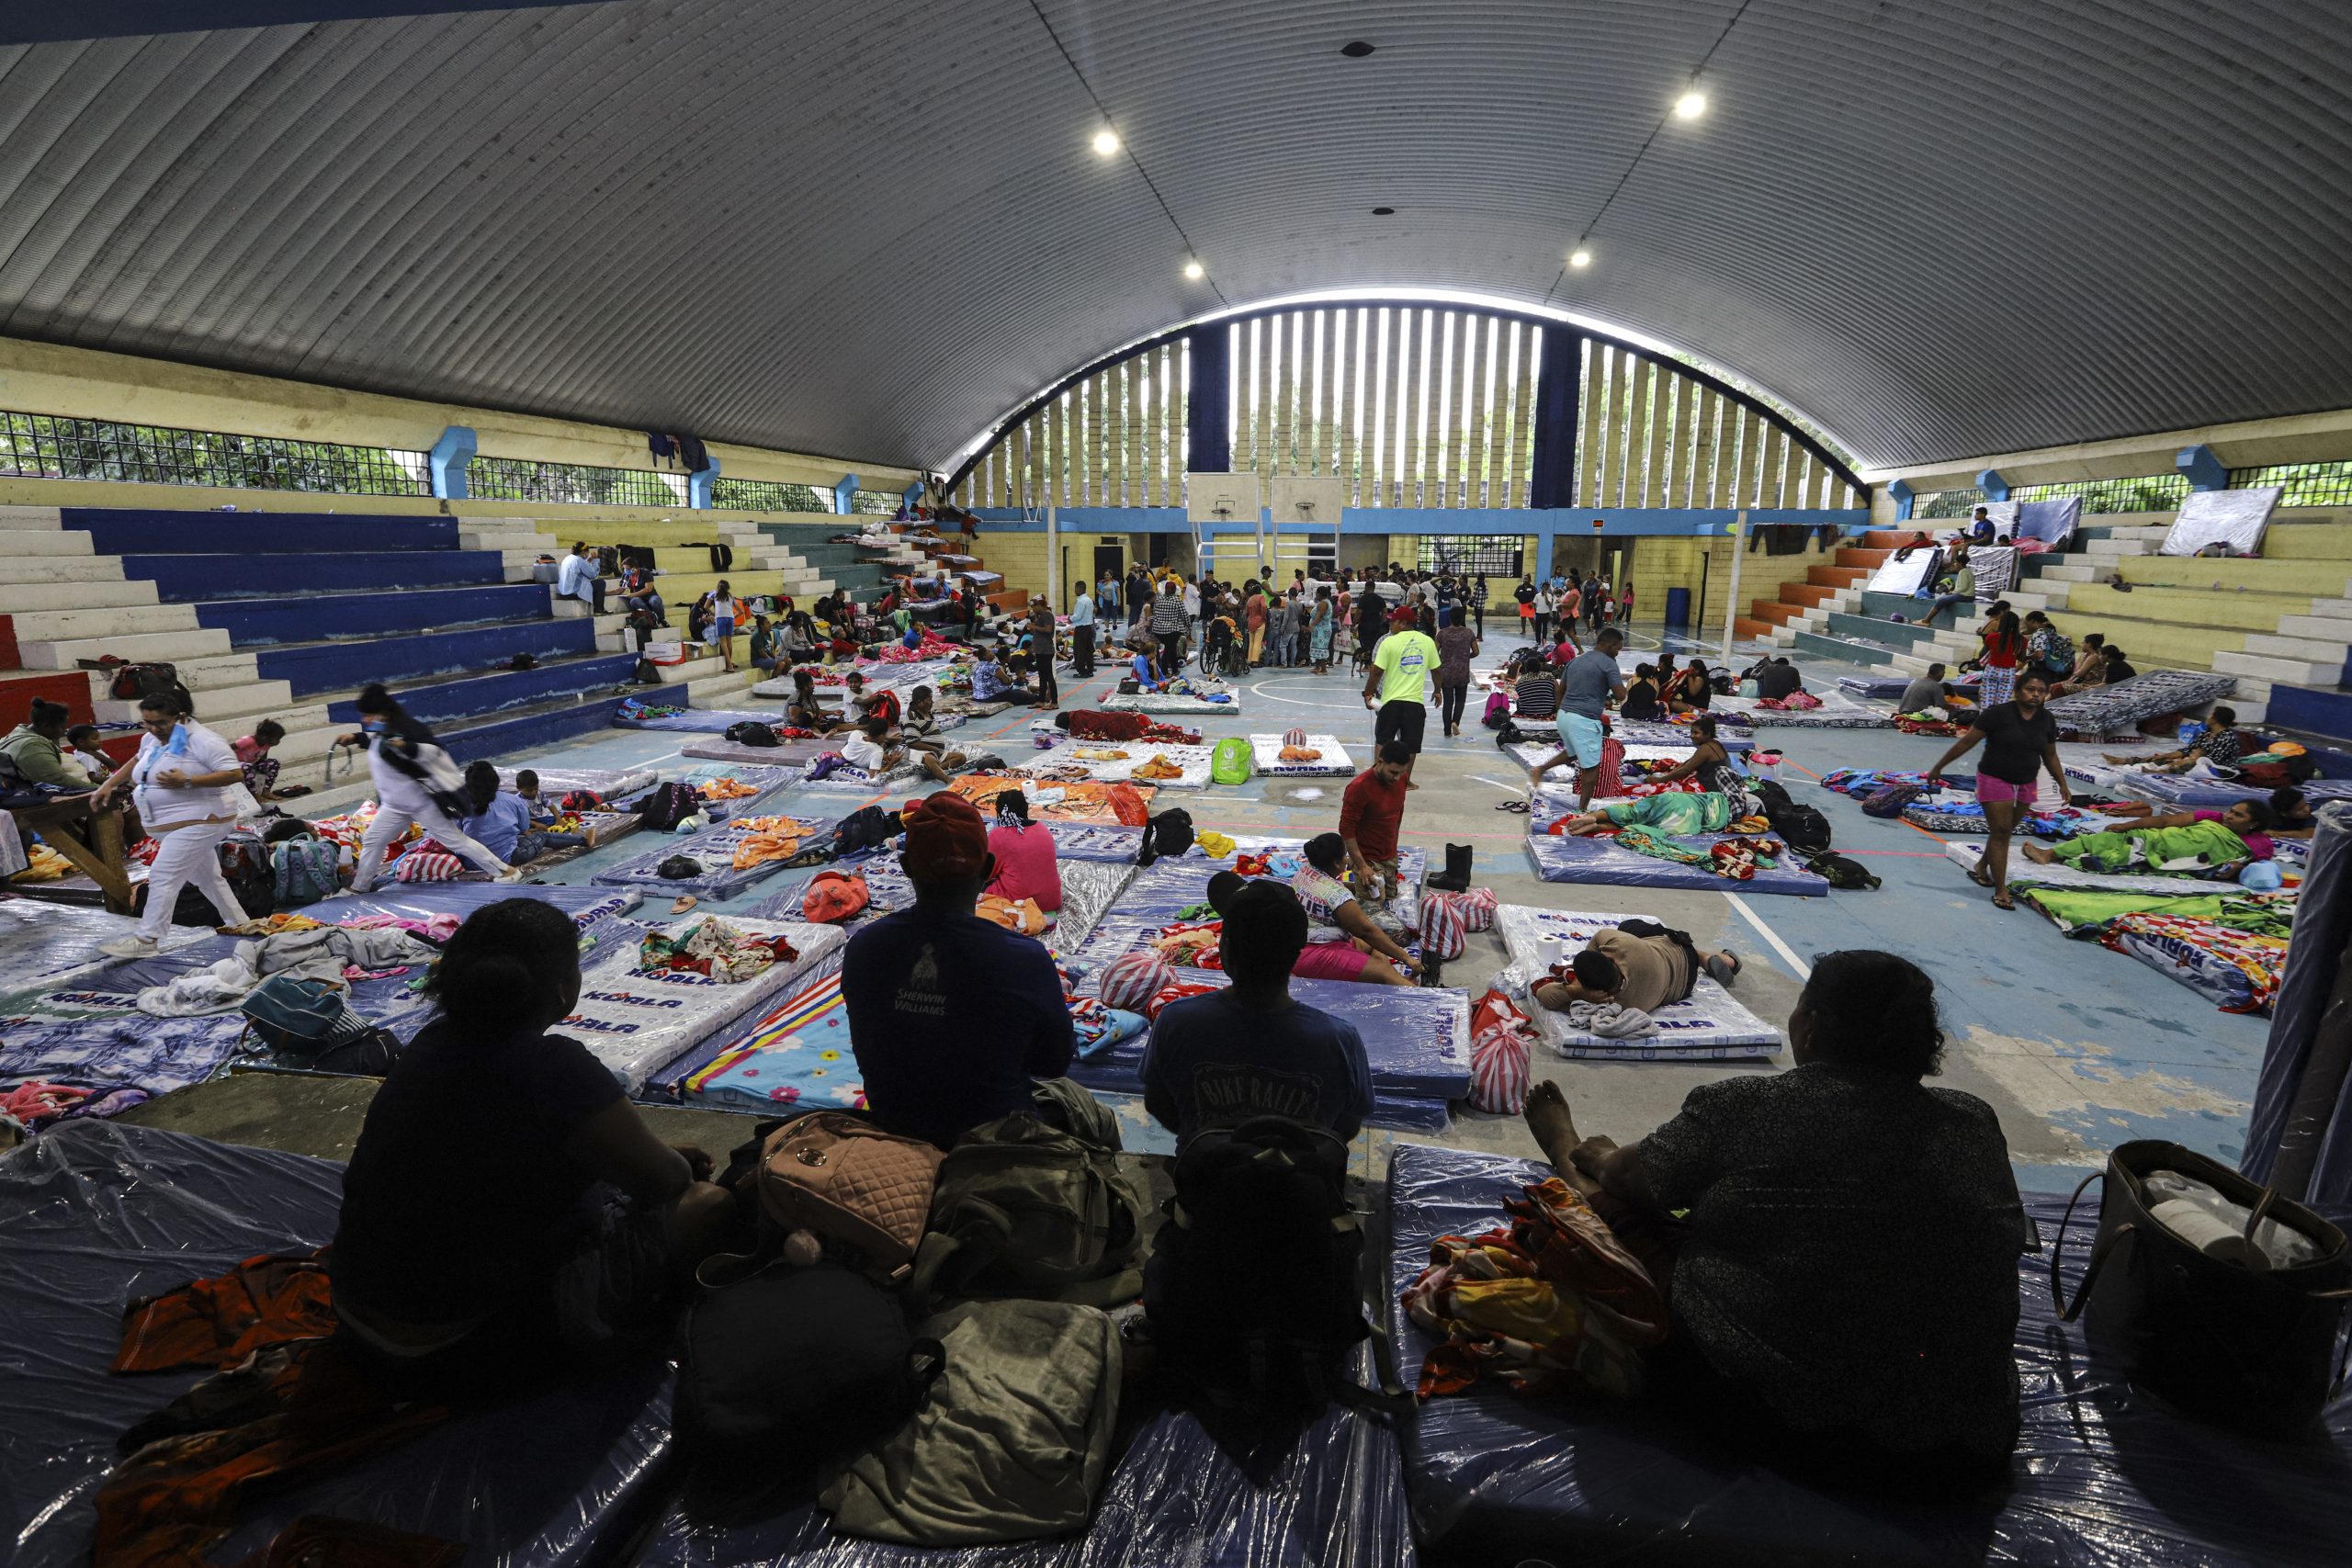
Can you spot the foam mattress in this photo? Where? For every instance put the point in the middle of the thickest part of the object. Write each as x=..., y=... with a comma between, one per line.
x=1558, y=858
x=636, y=1021
x=1709, y=1025
x=712, y=721
x=713, y=849
x=2024, y=872
x=556, y=781
x=1837, y=711
x=1161, y=702
x=1266, y=752
x=2102, y=1475
x=2114, y=708
x=93, y=1214
x=1194, y=760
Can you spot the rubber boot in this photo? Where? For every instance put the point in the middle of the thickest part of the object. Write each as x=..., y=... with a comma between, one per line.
x=1455, y=877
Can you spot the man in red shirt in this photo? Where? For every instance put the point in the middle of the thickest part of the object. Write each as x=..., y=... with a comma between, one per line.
x=1370, y=814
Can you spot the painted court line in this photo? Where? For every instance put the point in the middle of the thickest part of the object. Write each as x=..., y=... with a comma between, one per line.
x=1798, y=964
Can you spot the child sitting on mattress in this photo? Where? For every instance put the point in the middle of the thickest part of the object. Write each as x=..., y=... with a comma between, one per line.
x=1843, y=1282
x=506, y=1211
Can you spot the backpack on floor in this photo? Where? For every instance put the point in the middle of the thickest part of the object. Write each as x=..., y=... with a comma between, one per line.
x=751, y=732
x=668, y=805
x=1843, y=872
x=1888, y=800
x=307, y=870
x=832, y=897
x=1026, y=1207
x=1772, y=793
x=1254, y=1290
x=1170, y=833
x=1804, y=826
x=867, y=828
x=310, y=1024
x=1230, y=763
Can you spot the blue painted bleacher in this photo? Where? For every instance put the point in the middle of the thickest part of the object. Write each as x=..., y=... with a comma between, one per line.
x=329, y=603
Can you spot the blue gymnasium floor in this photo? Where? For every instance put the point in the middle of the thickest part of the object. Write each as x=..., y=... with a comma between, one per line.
x=2077, y=1048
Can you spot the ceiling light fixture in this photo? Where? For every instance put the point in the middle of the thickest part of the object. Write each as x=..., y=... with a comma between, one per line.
x=1691, y=104
x=1581, y=258
x=1384, y=212
x=1356, y=49
x=1106, y=142
x=1195, y=271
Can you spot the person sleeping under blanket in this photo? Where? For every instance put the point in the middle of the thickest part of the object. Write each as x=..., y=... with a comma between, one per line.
x=2185, y=840
x=1677, y=814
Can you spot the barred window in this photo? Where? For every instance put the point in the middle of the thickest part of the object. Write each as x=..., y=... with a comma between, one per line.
x=1472, y=555
x=519, y=478
x=2307, y=484
x=874, y=503
x=1946, y=504
x=49, y=447
x=768, y=495
x=2145, y=492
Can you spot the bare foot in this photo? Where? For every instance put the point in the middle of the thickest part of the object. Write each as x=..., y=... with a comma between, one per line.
x=1555, y=1130
x=2037, y=855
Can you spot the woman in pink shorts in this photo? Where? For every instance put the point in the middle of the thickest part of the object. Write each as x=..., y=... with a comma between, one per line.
x=2020, y=739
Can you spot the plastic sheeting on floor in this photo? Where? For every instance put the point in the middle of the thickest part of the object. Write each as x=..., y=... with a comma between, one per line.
x=710, y=721
x=854, y=781
x=2115, y=708
x=1097, y=841
x=2102, y=1476
x=1266, y=755
x=42, y=943
x=2301, y=1133
x=794, y=754
x=423, y=900
x=1837, y=711
x=636, y=1021
x=1657, y=732
x=1335, y=1498
x=1559, y=858
x=94, y=1214
x=1709, y=1025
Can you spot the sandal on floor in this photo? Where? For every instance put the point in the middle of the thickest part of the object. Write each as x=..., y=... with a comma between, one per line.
x=684, y=902
x=1722, y=968
x=1980, y=877
x=1520, y=807
x=2002, y=900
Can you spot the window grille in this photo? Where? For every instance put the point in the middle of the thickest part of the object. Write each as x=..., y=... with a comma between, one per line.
x=571, y=484
x=50, y=446
x=1472, y=555
x=2307, y=484
x=768, y=495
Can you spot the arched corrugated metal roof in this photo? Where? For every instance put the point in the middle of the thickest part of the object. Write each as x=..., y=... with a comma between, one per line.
x=871, y=228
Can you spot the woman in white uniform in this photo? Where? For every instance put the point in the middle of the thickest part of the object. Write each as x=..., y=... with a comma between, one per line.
x=416, y=782
x=179, y=782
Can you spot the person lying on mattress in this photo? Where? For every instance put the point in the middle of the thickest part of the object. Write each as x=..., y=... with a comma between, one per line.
x=1843, y=1283
x=1641, y=965
x=1249, y=1049
x=2218, y=745
x=1026, y=867
x=506, y=1211
x=1674, y=812
x=953, y=1018
x=1344, y=943
x=2181, y=840
x=2292, y=812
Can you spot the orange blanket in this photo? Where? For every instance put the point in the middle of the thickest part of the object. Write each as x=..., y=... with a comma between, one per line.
x=1124, y=806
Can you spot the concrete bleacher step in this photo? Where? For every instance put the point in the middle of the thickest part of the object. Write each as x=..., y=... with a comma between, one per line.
x=344, y=617
x=252, y=700
x=137, y=648
x=1851, y=650
x=26, y=598
x=41, y=571
x=477, y=692
x=60, y=625
x=16, y=543
x=333, y=664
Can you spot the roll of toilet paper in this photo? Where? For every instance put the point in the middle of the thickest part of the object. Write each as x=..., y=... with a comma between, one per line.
x=2205, y=1232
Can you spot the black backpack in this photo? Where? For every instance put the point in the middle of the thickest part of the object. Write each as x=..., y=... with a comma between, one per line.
x=1254, y=1290
x=1170, y=833
x=795, y=1366
x=867, y=828
x=1843, y=872
x=668, y=805
x=751, y=732
x=1804, y=826
x=1776, y=797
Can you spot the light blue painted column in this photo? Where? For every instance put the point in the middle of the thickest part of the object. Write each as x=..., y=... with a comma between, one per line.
x=446, y=464
x=1995, y=487
x=2202, y=468
x=845, y=495
x=1903, y=495
x=698, y=487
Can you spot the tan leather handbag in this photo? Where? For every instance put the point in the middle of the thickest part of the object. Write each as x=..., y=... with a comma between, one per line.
x=850, y=1182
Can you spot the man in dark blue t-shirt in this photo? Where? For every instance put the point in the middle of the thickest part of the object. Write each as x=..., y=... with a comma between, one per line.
x=952, y=1016
x=1249, y=1050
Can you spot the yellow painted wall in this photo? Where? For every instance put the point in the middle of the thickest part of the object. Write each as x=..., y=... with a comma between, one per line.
x=86, y=384
x=1659, y=563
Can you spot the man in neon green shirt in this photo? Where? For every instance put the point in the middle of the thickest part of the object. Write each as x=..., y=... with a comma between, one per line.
x=1398, y=680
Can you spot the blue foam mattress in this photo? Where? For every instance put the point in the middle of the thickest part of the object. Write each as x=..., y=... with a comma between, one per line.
x=1559, y=858
x=708, y=721
x=2101, y=1476
x=95, y=1213
x=714, y=847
